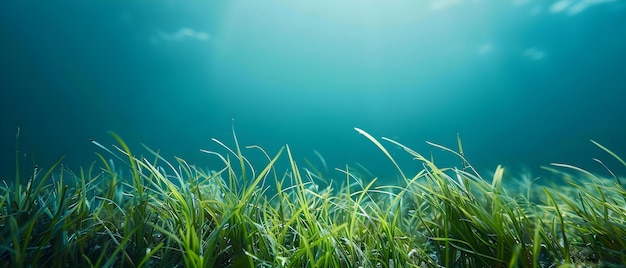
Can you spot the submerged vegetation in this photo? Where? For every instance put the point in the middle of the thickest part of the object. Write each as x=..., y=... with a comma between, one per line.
x=149, y=211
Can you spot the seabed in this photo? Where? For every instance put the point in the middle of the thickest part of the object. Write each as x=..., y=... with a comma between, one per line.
x=148, y=211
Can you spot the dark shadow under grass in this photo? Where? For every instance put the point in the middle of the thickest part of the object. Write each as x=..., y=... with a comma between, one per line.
x=148, y=211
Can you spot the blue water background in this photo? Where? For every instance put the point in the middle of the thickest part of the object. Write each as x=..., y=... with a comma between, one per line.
x=525, y=83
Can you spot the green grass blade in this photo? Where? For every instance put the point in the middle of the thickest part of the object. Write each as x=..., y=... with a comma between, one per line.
x=382, y=148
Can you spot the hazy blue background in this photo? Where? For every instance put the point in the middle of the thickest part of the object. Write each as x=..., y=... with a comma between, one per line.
x=524, y=82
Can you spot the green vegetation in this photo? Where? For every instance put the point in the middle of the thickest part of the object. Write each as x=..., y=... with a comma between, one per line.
x=154, y=212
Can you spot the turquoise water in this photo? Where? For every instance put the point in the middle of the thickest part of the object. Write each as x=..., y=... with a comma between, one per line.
x=525, y=83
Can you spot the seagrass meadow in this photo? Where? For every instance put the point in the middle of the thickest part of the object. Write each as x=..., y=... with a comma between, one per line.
x=133, y=209
x=488, y=133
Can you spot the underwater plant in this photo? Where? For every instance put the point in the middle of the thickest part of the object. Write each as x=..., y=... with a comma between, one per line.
x=130, y=210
